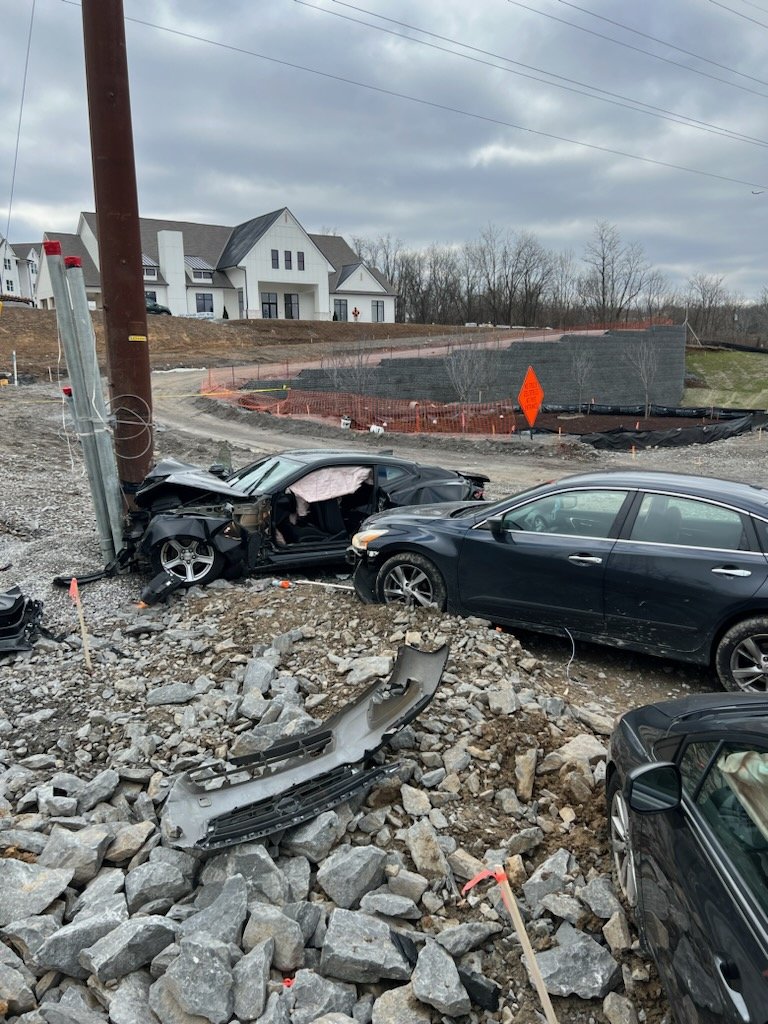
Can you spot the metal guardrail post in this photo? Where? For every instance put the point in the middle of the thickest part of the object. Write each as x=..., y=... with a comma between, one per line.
x=105, y=450
x=83, y=424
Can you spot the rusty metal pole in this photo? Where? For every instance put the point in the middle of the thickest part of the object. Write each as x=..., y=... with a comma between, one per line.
x=117, y=211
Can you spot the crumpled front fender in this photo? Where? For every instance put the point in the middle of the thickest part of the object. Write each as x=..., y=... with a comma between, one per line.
x=203, y=527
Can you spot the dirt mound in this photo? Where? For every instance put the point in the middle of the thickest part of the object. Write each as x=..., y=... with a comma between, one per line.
x=179, y=341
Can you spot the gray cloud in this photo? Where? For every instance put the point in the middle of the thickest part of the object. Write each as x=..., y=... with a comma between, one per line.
x=221, y=135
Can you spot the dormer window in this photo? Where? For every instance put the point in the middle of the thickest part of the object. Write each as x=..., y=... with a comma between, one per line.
x=150, y=272
x=199, y=269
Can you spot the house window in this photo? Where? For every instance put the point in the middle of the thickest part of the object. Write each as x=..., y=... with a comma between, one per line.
x=150, y=272
x=300, y=260
x=288, y=256
x=291, y=306
x=202, y=275
x=33, y=268
x=9, y=285
x=340, y=309
x=269, y=304
x=275, y=260
x=150, y=296
x=377, y=311
x=204, y=302
x=7, y=264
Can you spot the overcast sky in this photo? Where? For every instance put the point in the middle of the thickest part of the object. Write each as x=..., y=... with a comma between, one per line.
x=413, y=118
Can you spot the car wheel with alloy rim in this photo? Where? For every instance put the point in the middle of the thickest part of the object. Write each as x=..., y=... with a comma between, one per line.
x=621, y=844
x=411, y=579
x=194, y=561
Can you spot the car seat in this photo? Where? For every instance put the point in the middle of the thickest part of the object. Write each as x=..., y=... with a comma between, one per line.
x=327, y=518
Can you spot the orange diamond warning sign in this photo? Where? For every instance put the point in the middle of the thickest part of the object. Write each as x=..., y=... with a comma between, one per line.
x=531, y=396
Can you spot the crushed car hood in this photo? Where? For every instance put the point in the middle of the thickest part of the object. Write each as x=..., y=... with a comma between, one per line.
x=184, y=474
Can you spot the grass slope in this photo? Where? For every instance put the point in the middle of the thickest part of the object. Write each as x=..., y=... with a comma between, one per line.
x=732, y=379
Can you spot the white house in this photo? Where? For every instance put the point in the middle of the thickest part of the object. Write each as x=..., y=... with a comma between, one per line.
x=19, y=270
x=268, y=267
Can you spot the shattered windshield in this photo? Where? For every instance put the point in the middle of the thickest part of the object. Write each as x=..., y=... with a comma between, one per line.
x=269, y=473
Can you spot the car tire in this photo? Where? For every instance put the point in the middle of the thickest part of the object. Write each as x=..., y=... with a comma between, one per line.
x=411, y=579
x=194, y=561
x=741, y=659
x=624, y=871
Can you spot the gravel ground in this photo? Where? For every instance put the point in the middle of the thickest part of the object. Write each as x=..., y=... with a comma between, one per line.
x=86, y=723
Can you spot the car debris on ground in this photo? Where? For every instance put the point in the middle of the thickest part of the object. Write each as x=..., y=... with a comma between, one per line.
x=502, y=767
x=359, y=907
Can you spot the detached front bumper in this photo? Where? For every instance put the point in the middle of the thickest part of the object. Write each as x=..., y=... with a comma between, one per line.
x=296, y=779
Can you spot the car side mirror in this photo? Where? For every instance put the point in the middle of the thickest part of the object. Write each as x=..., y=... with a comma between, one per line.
x=496, y=525
x=654, y=787
x=217, y=469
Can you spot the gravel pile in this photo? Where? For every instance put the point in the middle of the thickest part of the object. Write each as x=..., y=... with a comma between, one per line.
x=354, y=916
x=357, y=913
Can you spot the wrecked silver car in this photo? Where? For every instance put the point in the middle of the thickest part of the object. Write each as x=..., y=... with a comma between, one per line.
x=296, y=779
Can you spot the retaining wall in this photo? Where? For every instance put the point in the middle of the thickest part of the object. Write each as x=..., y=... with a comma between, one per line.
x=613, y=380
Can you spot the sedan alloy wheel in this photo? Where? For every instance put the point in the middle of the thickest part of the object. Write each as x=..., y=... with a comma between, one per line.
x=193, y=561
x=623, y=858
x=411, y=579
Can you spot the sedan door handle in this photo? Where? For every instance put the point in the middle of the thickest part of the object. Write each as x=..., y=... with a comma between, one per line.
x=729, y=973
x=585, y=559
x=731, y=570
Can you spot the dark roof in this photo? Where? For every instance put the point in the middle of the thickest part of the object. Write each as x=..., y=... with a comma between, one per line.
x=222, y=247
x=345, y=261
x=21, y=249
x=72, y=245
x=243, y=238
x=205, y=240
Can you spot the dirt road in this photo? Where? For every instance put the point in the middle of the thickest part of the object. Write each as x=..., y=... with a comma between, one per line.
x=512, y=465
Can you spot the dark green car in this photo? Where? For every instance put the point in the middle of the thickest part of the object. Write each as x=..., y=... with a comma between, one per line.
x=155, y=307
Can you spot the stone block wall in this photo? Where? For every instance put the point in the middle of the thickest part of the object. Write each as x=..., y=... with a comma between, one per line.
x=612, y=380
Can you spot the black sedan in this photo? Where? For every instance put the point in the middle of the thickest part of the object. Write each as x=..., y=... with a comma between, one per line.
x=687, y=787
x=296, y=508
x=665, y=564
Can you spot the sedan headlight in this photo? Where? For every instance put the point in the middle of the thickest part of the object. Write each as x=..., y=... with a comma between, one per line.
x=361, y=540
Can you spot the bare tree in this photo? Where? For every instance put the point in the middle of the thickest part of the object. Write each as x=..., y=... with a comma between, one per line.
x=615, y=274
x=534, y=265
x=349, y=369
x=643, y=358
x=469, y=371
x=562, y=292
x=706, y=299
x=655, y=293
x=582, y=365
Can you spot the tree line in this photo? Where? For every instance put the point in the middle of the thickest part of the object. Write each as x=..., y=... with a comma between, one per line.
x=511, y=278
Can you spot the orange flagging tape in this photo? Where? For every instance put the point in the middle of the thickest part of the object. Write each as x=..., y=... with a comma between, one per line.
x=497, y=873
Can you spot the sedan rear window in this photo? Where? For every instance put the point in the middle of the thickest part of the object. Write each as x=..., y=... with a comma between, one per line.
x=668, y=519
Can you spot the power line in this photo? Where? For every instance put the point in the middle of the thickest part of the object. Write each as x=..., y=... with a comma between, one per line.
x=663, y=42
x=612, y=98
x=757, y=7
x=739, y=14
x=18, y=127
x=433, y=104
x=639, y=49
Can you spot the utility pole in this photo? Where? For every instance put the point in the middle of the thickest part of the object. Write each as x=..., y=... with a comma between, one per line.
x=117, y=211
